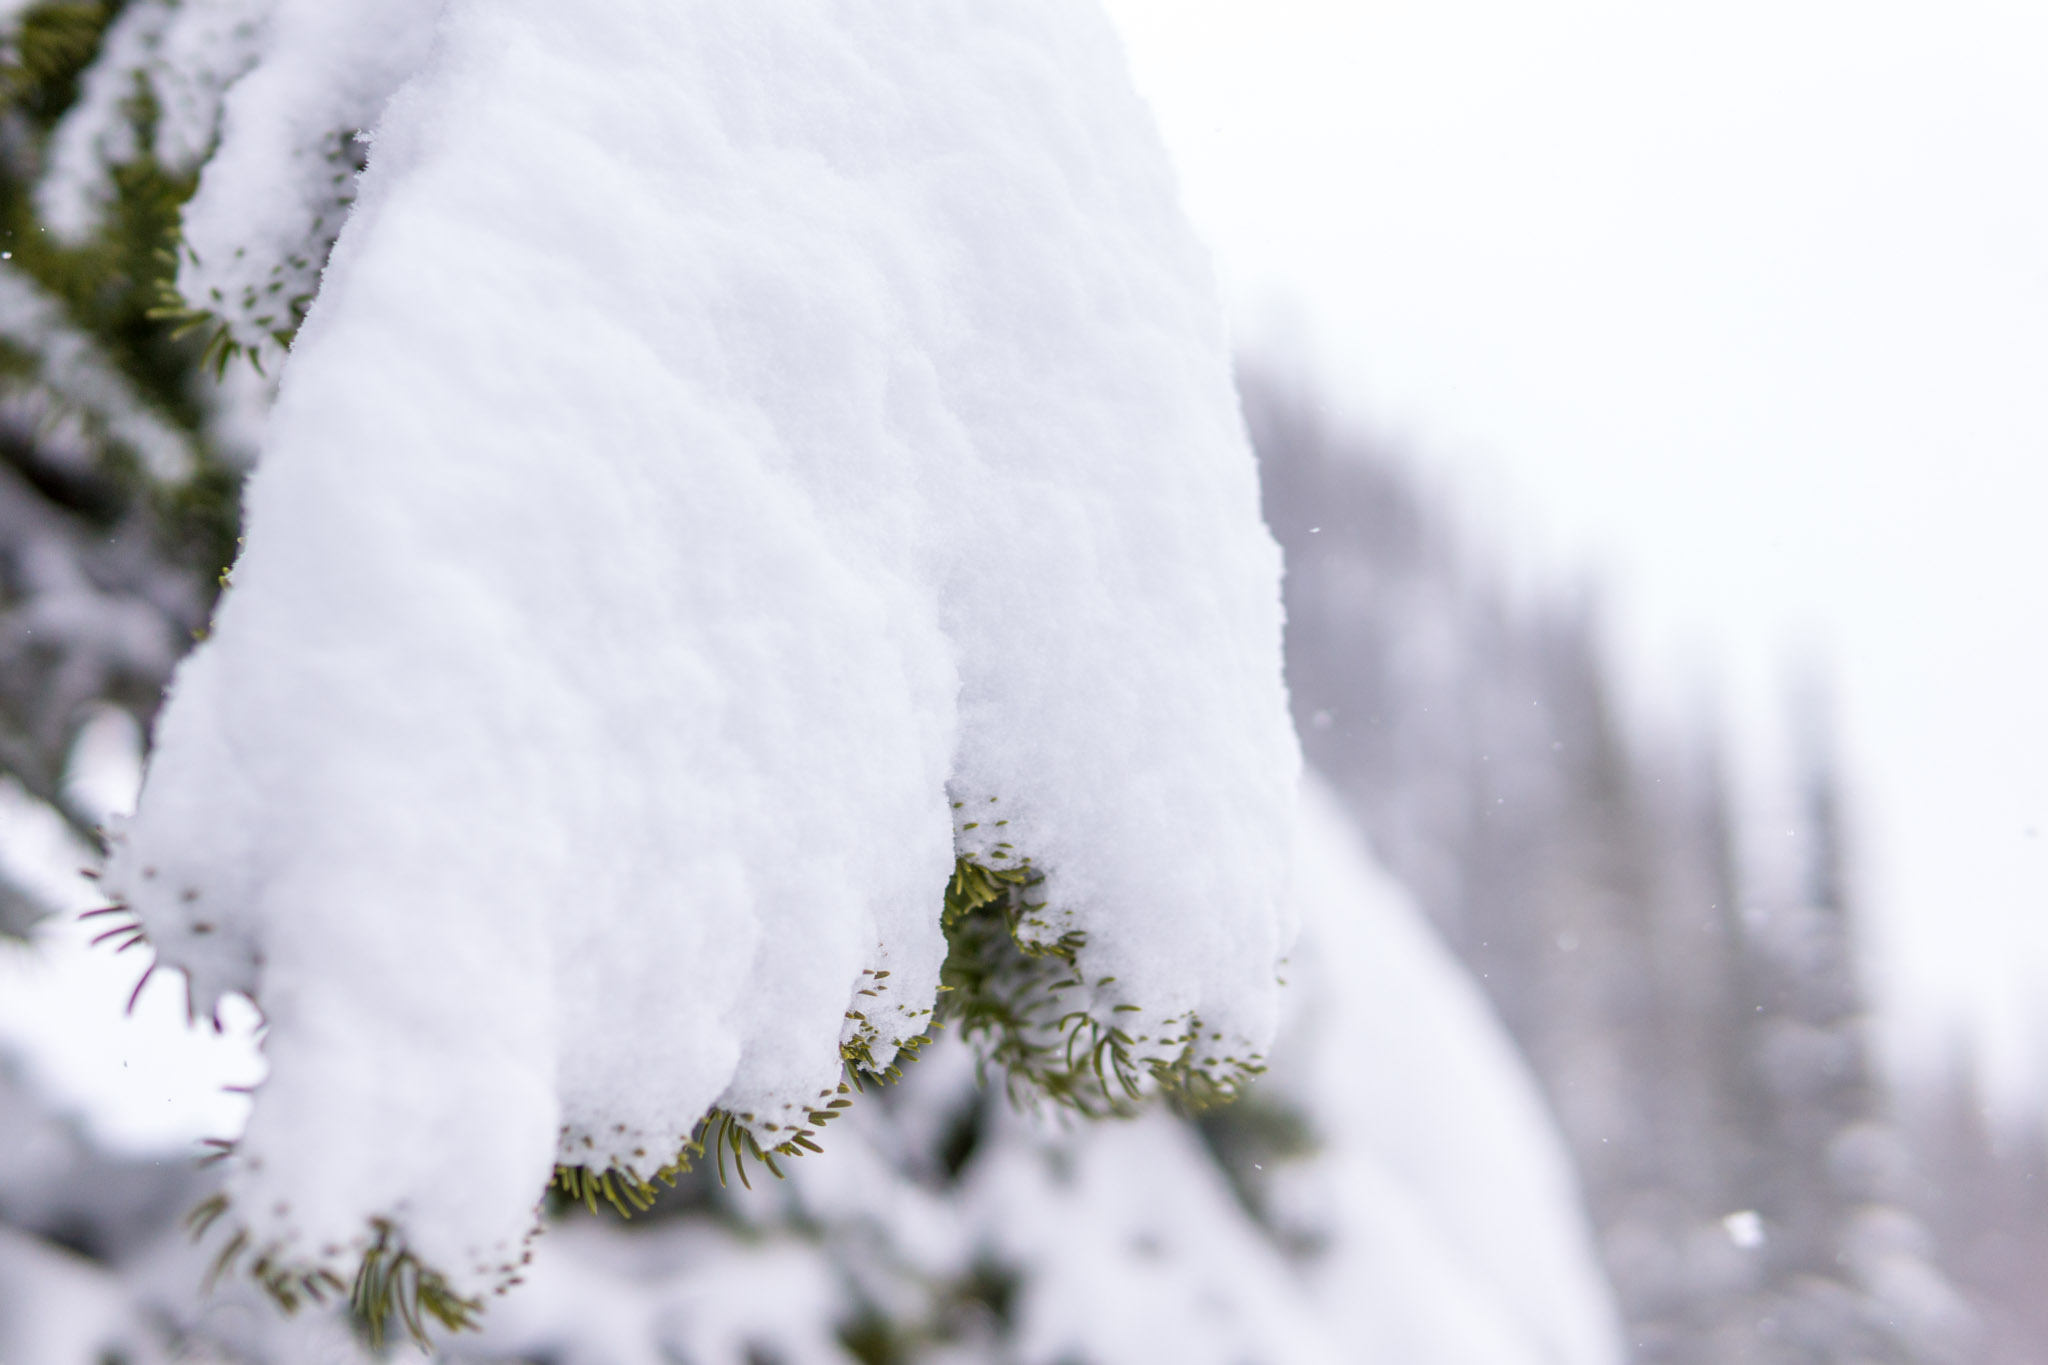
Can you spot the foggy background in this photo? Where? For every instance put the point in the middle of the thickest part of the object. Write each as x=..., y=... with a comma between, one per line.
x=1738, y=311
x=1708, y=343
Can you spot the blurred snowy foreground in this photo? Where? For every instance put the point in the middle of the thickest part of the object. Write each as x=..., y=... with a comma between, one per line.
x=1419, y=1209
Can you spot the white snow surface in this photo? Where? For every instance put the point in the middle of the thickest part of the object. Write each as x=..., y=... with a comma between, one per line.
x=731, y=445
x=65, y=1311
x=1442, y=1196
x=1435, y=1223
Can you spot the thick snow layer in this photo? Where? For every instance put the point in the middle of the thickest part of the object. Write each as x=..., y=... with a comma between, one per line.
x=1431, y=1223
x=732, y=446
x=1441, y=1195
x=1434, y=1223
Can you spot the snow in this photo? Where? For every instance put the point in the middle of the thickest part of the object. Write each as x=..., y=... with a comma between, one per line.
x=184, y=55
x=270, y=96
x=70, y=367
x=273, y=196
x=142, y=1081
x=1434, y=1223
x=148, y=1082
x=680, y=1291
x=97, y=132
x=726, y=440
x=1443, y=1233
x=1136, y=1250
x=1441, y=1181
x=73, y=1310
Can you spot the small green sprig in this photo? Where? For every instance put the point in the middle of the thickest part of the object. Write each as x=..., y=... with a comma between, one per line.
x=391, y=1283
x=1007, y=986
x=719, y=1133
x=52, y=45
x=394, y=1283
x=722, y=1133
x=221, y=346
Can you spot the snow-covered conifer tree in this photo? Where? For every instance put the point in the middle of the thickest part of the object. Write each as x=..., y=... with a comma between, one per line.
x=754, y=527
x=737, y=472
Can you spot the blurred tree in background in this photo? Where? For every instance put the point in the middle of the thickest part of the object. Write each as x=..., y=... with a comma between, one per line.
x=1690, y=1000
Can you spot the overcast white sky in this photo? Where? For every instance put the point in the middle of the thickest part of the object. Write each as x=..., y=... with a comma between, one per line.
x=1744, y=301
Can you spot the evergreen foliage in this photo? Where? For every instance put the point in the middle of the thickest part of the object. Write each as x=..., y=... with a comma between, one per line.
x=1024, y=1003
x=118, y=502
x=1007, y=991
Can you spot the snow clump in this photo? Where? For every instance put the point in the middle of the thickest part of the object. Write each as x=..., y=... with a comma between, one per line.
x=734, y=451
x=273, y=98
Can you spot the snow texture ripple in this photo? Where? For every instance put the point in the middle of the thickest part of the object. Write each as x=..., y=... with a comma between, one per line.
x=726, y=440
